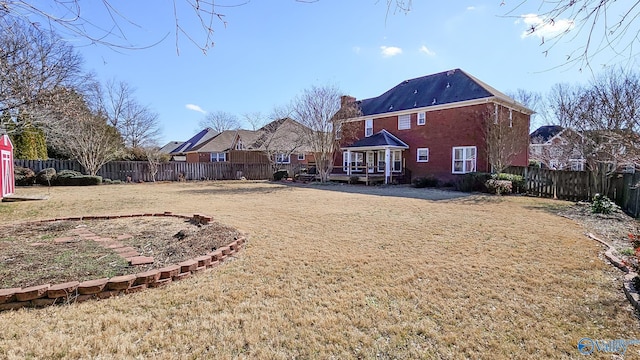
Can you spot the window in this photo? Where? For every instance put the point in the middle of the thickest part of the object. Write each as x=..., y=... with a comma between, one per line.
x=396, y=160
x=368, y=127
x=283, y=158
x=239, y=145
x=218, y=157
x=357, y=161
x=338, y=131
x=423, y=155
x=422, y=118
x=464, y=159
x=404, y=122
x=300, y=156
x=576, y=165
x=381, y=161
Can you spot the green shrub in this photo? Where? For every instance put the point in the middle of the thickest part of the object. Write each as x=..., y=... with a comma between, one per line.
x=499, y=187
x=602, y=205
x=426, y=181
x=517, y=181
x=116, y=182
x=107, y=181
x=474, y=181
x=45, y=176
x=23, y=176
x=280, y=174
x=354, y=179
x=79, y=180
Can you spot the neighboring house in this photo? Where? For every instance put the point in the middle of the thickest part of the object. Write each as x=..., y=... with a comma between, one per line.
x=179, y=153
x=556, y=148
x=279, y=142
x=170, y=146
x=429, y=126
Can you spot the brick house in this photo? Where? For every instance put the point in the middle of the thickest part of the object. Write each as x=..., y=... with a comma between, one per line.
x=557, y=148
x=279, y=140
x=429, y=126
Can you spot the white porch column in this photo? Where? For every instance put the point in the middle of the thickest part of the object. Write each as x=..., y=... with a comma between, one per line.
x=348, y=162
x=387, y=165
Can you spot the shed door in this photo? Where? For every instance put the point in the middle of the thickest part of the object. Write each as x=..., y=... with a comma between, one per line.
x=7, y=171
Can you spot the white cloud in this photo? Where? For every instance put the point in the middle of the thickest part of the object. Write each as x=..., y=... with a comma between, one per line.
x=195, y=108
x=389, y=51
x=427, y=51
x=471, y=8
x=544, y=28
x=356, y=49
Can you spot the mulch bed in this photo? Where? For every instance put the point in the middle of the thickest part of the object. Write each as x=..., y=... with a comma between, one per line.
x=30, y=254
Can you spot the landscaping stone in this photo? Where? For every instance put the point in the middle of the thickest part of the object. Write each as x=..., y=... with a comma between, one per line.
x=161, y=282
x=199, y=269
x=140, y=260
x=37, y=244
x=188, y=265
x=147, y=277
x=32, y=292
x=8, y=295
x=181, y=276
x=124, y=237
x=63, y=240
x=217, y=255
x=204, y=260
x=120, y=282
x=92, y=286
x=62, y=290
x=135, y=289
x=169, y=272
x=83, y=298
x=214, y=264
x=225, y=250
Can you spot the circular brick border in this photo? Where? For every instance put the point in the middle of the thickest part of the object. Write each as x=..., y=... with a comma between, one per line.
x=629, y=289
x=76, y=291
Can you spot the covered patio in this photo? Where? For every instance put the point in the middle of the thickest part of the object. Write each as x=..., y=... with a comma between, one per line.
x=377, y=158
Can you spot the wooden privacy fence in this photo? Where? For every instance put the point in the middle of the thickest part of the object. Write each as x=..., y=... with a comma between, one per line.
x=622, y=188
x=171, y=171
x=557, y=184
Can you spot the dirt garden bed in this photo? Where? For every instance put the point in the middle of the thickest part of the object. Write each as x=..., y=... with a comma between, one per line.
x=53, y=252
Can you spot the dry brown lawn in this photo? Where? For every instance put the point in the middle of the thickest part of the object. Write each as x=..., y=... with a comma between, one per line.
x=329, y=274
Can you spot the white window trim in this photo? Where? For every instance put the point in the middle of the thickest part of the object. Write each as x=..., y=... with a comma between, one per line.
x=217, y=157
x=280, y=159
x=404, y=119
x=338, y=130
x=422, y=115
x=368, y=127
x=300, y=156
x=381, y=163
x=418, y=154
x=396, y=157
x=464, y=159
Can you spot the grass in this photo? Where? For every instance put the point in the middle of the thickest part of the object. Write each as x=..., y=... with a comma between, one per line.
x=332, y=274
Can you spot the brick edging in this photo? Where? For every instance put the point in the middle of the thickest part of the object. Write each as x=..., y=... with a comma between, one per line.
x=76, y=291
x=627, y=283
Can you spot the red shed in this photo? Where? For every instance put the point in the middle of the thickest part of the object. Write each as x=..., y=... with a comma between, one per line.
x=7, y=182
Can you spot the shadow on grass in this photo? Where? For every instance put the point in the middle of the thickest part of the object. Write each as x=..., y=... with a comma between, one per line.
x=551, y=208
x=405, y=191
x=254, y=189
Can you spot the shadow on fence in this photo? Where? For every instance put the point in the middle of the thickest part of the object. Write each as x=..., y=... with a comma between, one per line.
x=623, y=188
x=171, y=171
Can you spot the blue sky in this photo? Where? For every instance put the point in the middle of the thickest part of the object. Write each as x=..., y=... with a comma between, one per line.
x=270, y=51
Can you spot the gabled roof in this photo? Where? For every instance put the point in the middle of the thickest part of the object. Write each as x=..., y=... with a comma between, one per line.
x=226, y=140
x=545, y=133
x=196, y=140
x=170, y=146
x=439, y=89
x=284, y=134
x=381, y=139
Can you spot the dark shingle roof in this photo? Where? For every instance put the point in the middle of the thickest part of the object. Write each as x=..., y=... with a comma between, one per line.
x=437, y=89
x=544, y=133
x=379, y=139
x=196, y=140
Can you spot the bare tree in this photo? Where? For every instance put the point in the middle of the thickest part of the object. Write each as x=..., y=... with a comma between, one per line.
x=154, y=159
x=598, y=26
x=138, y=124
x=255, y=119
x=606, y=113
x=220, y=121
x=280, y=139
x=506, y=137
x=534, y=101
x=319, y=110
x=36, y=67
